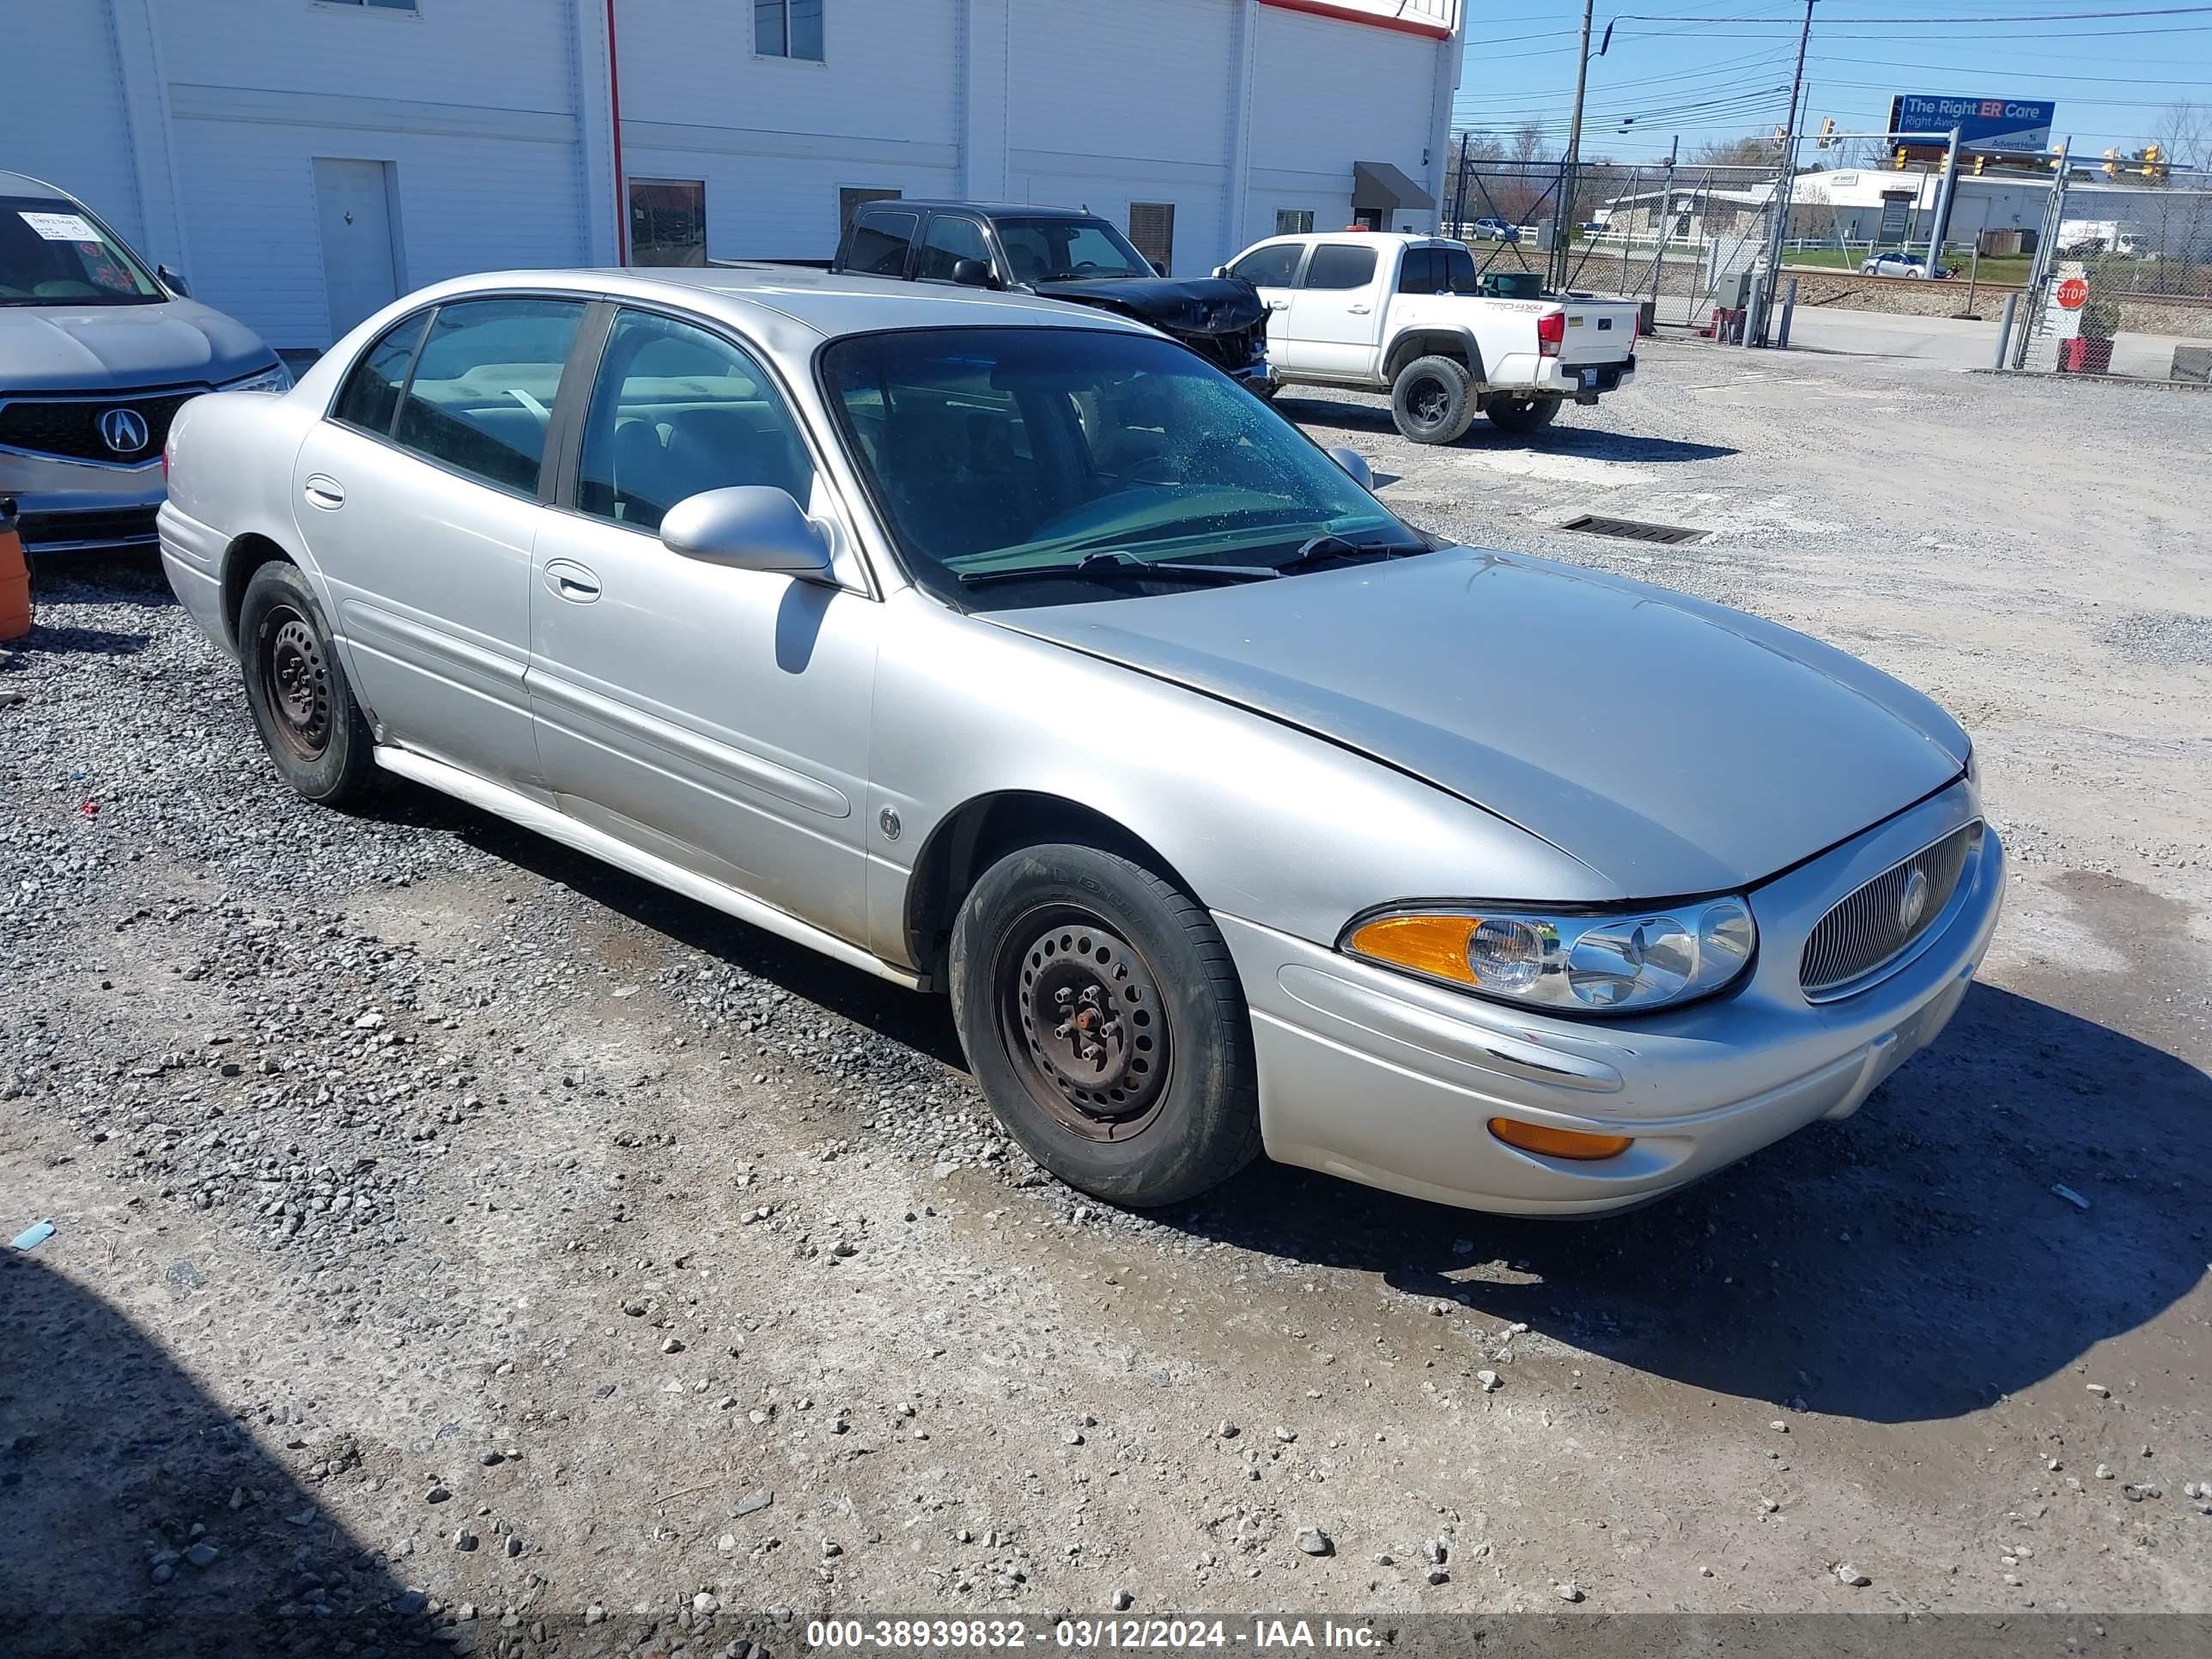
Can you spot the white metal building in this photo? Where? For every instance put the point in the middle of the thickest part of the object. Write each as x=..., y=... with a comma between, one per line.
x=300, y=162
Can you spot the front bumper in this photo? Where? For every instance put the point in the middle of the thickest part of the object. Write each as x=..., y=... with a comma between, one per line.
x=1388, y=1081
x=76, y=506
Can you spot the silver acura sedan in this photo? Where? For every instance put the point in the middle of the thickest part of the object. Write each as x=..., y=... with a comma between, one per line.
x=995, y=645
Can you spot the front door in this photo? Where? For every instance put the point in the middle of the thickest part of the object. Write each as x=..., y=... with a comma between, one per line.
x=1335, y=316
x=1272, y=268
x=417, y=500
x=718, y=718
x=353, y=212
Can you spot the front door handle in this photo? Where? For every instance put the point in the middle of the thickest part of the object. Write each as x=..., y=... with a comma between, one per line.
x=324, y=491
x=571, y=581
x=1279, y=305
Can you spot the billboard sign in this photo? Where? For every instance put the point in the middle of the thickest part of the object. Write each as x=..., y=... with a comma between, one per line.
x=2005, y=123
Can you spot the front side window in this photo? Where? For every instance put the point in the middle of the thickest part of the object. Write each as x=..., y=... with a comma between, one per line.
x=668, y=221
x=370, y=397
x=878, y=245
x=950, y=240
x=53, y=252
x=788, y=28
x=1339, y=266
x=1274, y=266
x=484, y=387
x=678, y=410
x=1002, y=459
x=1044, y=250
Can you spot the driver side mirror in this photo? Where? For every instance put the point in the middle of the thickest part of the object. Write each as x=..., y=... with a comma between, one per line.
x=748, y=527
x=174, y=283
x=1355, y=463
x=972, y=273
x=1159, y=267
x=1221, y=270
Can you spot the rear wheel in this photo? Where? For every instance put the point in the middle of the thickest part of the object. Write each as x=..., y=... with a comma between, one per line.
x=302, y=707
x=1102, y=1014
x=1519, y=415
x=1432, y=400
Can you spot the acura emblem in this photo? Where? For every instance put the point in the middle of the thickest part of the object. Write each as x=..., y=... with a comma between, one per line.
x=123, y=431
x=1912, y=901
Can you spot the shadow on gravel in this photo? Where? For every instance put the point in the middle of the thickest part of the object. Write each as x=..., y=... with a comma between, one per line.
x=1562, y=438
x=1909, y=1263
x=86, y=642
x=113, y=1461
x=132, y=577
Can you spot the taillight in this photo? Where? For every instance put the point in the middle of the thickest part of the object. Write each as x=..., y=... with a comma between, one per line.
x=1551, y=333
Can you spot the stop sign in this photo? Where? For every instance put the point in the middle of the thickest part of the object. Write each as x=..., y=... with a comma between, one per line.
x=2073, y=293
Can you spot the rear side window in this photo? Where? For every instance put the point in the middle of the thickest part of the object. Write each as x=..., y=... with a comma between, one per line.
x=484, y=383
x=370, y=397
x=1459, y=270
x=1422, y=271
x=950, y=240
x=879, y=244
x=1269, y=267
x=1340, y=264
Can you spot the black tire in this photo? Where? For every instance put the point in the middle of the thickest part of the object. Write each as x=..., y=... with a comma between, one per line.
x=1265, y=391
x=1154, y=1100
x=302, y=707
x=1433, y=400
x=1523, y=414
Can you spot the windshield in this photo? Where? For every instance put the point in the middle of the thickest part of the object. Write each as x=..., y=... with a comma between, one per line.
x=1000, y=450
x=53, y=252
x=1069, y=250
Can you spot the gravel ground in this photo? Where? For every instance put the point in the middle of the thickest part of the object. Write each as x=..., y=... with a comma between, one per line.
x=457, y=1239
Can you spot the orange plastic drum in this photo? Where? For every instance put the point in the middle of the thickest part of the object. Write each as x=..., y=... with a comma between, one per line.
x=15, y=577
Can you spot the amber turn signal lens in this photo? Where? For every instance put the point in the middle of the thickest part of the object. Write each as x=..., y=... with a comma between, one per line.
x=1428, y=945
x=1559, y=1143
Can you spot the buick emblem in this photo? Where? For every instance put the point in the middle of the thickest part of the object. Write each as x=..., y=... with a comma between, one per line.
x=1912, y=902
x=123, y=431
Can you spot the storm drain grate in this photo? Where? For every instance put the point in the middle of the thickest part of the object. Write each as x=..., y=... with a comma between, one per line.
x=1631, y=530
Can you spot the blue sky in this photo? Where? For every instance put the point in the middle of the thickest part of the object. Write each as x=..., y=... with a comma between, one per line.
x=1686, y=67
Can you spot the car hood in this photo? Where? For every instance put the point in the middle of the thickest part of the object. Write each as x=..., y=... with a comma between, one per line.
x=1202, y=305
x=104, y=347
x=1674, y=747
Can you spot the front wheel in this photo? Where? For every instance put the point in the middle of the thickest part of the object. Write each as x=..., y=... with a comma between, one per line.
x=1433, y=400
x=1520, y=414
x=1104, y=1022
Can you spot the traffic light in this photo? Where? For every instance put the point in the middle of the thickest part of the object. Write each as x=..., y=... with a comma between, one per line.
x=2153, y=161
x=1827, y=133
x=1981, y=165
x=1898, y=160
x=2111, y=164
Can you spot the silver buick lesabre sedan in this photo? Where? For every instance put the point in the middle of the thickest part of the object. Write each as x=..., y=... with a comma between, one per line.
x=992, y=645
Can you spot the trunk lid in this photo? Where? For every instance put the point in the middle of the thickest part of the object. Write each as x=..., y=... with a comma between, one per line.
x=1598, y=332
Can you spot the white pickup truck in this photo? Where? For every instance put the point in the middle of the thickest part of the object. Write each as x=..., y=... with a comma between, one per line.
x=1401, y=313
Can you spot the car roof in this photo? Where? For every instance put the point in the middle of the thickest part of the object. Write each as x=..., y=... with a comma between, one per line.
x=1023, y=209
x=22, y=183
x=827, y=303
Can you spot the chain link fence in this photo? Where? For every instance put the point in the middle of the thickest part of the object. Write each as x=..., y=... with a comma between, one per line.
x=1678, y=237
x=2126, y=287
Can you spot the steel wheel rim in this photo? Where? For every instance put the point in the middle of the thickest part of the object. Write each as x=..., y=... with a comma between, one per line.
x=1082, y=1019
x=295, y=682
x=1428, y=400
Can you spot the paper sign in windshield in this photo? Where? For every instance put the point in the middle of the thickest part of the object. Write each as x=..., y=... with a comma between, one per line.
x=60, y=227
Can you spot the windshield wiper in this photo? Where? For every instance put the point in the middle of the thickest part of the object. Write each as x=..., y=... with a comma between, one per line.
x=1322, y=549
x=1111, y=563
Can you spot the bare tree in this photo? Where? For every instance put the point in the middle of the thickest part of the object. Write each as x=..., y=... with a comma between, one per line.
x=1529, y=142
x=2184, y=132
x=1753, y=150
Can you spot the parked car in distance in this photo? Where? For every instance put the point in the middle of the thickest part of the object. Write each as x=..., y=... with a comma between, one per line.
x=989, y=645
x=98, y=351
x=1061, y=254
x=1893, y=263
x=1402, y=314
x=1488, y=229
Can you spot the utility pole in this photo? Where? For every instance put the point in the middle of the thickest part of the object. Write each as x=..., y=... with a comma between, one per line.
x=1562, y=215
x=1785, y=176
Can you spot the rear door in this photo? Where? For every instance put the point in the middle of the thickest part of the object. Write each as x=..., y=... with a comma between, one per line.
x=879, y=242
x=717, y=718
x=1272, y=268
x=1335, y=317
x=418, y=500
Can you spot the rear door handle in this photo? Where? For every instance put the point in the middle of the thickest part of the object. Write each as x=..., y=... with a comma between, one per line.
x=571, y=581
x=324, y=491
x=1360, y=311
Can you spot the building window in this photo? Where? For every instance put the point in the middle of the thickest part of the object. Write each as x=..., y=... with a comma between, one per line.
x=667, y=222
x=375, y=5
x=1151, y=228
x=788, y=28
x=849, y=200
x=1293, y=222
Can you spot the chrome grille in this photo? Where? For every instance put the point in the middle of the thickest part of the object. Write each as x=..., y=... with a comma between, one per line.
x=1872, y=926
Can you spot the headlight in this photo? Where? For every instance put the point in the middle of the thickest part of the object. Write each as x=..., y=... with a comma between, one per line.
x=1617, y=964
x=278, y=379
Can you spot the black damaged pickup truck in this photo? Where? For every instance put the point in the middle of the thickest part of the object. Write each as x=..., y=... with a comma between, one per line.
x=1062, y=254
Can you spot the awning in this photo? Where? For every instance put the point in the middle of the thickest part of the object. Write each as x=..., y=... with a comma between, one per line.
x=1379, y=185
